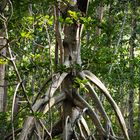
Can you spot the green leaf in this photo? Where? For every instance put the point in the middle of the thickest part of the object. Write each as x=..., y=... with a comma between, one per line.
x=68, y=20
x=73, y=14
x=23, y=33
x=3, y=61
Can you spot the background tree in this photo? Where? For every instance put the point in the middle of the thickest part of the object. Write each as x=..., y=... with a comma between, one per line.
x=3, y=43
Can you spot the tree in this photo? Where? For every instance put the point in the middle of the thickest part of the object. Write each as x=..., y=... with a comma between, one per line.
x=67, y=86
x=132, y=47
x=3, y=43
x=51, y=47
x=2, y=72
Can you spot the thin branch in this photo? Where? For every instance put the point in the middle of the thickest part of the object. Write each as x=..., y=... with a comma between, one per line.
x=56, y=82
x=101, y=86
x=80, y=115
x=77, y=119
x=3, y=5
x=44, y=127
x=27, y=127
x=40, y=90
x=53, y=101
x=11, y=10
x=8, y=137
x=120, y=35
x=38, y=132
x=58, y=32
x=67, y=129
x=49, y=42
x=81, y=131
x=98, y=104
x=50, y=56
x=13, y=105
x=56, y=129
x=80, y=102
x=85, y=126
x=16, y=70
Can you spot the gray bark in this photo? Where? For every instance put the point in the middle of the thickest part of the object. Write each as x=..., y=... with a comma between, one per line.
x=2, y=72
x=72, y=57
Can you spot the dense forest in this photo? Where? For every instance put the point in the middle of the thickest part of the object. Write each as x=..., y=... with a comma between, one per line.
x=69, y=70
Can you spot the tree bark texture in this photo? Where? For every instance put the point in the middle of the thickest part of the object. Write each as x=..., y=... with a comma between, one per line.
x=72, y=57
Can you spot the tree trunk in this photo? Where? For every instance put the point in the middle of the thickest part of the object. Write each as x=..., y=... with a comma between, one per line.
x=139, y=108
x=72, y=57
x=2, y=74
x=74, y=106
x=131, y=67
x=99, y=13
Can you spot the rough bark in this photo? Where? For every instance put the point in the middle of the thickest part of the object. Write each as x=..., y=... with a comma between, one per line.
x=72, y=57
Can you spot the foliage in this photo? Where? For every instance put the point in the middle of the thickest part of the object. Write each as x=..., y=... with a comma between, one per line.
x=32, y=39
